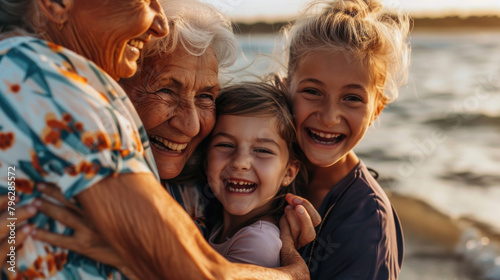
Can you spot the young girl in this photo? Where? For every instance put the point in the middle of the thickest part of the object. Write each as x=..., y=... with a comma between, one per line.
x=345, y=64
x=250, y=167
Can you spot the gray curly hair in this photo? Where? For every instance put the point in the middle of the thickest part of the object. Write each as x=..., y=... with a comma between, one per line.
x=196, y=26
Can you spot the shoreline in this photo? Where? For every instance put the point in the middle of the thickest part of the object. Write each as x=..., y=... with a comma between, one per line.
x=418, y=24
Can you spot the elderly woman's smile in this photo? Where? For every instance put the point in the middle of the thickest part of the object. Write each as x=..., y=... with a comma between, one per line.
x=174, y=95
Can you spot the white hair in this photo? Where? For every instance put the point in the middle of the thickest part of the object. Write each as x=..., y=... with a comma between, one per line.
x=196, y=26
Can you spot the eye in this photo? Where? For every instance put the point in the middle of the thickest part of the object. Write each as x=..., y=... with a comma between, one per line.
x=206, y=96
x=354, y=98
x=263, y=151
x=311, y=91
x=165, y=91
x=224, y=145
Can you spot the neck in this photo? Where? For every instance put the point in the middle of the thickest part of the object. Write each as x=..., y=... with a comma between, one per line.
x=323, y=179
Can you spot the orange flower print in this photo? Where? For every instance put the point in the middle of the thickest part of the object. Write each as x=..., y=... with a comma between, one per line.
x=88, y=169
x=78, y=126
x=73, y=76
x=103, y=97
x=96, y=141
x=15, y=88
x=51, y=134
x=67, y=118
x=6, y=140
x=103, y=141
x=117, y=142
x=24, y=186
x=54, y=47
x=88, y=139
x=137, y=142
x=36, y=164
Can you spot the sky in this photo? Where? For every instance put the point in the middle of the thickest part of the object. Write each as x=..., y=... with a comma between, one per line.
x=283, y=9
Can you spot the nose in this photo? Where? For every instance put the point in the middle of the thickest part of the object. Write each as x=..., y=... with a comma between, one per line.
x=186, y=119
x=329, y=114
x=159, y=27
x=241, y=161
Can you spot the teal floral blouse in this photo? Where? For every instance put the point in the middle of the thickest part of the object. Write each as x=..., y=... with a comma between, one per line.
x=63, y=121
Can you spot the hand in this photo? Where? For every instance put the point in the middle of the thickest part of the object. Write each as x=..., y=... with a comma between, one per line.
x=85, y=240
x=22, y=214
x=291, y=260
x=302, y=217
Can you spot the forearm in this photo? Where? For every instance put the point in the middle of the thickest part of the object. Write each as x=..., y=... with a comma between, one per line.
x=156, y=237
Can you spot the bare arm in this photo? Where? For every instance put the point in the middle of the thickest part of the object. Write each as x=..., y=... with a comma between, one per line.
x=157, y=238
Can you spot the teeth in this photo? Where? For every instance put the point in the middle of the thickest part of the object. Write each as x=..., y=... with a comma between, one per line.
x=170, y=145
x=325, y=135
x=241, y=183
x=247, y=187
x=241, y=190
x=136, y=44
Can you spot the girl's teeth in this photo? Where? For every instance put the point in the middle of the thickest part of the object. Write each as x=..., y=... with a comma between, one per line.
x=325, y=135
x=241, y=190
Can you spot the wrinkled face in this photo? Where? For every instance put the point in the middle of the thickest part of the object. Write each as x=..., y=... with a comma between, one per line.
x=247, y=163
x=333, y=105
x=174, y=96
x=112, y=33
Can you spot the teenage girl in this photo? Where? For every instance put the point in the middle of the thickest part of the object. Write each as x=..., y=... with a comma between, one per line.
x=250, y=167
x=345, y=64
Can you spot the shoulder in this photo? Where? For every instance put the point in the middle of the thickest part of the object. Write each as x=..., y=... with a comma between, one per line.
x=71, y=124
x=258, y=243
x=260, y=231
x=365, y=194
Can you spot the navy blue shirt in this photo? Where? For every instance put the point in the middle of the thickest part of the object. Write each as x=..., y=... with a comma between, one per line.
x=360, y=236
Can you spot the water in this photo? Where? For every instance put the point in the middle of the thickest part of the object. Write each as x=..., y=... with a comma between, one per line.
x=440, y=141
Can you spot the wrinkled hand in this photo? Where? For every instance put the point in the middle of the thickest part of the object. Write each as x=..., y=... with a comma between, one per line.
x=85, y=240
x=22, y=214
x=302, y=217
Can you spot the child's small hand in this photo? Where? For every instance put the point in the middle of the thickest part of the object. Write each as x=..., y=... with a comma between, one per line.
x=302, y=217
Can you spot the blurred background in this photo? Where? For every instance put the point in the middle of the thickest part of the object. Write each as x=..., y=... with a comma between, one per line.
x=437, y=148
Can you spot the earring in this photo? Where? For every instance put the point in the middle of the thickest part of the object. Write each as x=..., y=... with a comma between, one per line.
x=60, y=25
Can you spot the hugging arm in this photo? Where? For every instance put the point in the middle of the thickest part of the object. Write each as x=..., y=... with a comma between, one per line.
x=157, y=238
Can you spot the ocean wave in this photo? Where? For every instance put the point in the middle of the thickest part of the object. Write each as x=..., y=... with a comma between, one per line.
x=456, y=120
x=471, y=178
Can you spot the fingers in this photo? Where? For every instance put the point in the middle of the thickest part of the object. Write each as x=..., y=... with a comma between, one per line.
x=60, y=213
x=53, y=192
x=4, y=201
x=295, y=200
x=22, y=214
x=307, y=231
x=55, y=239
x=293, y=223
x=285, y=234
x=21, y=235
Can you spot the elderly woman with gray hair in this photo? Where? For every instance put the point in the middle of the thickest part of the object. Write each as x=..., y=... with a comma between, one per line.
x=173, y=93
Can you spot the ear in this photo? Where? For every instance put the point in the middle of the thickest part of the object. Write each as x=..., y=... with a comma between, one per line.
x=380, y=105
x=56, y=11
x=290, y=173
